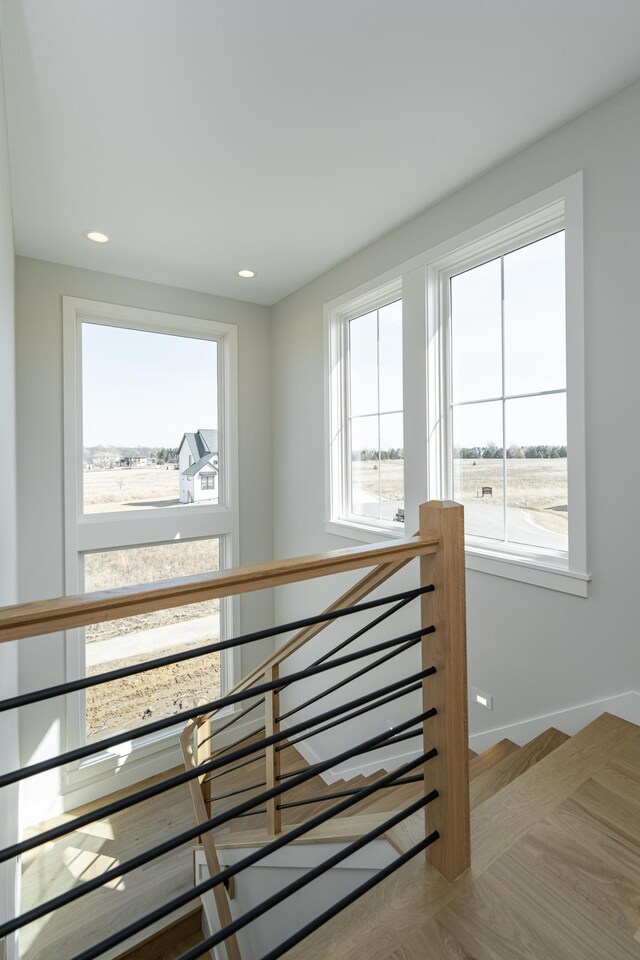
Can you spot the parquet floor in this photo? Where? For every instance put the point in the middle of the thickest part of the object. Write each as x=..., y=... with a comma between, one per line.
x=555, y=876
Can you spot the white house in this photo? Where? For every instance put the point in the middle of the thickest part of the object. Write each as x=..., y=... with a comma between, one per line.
x=198, y=466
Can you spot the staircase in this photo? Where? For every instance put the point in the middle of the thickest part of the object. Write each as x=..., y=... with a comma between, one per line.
x=491, y=773
x=559, y=817
x=555, y=869
x=532, y=852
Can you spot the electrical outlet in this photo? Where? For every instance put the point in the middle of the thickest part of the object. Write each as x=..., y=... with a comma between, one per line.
x=483, y=699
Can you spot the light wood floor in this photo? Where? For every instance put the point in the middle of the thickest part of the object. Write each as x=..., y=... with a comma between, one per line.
x=67, y=863
x=555, y=875
x=556, y=863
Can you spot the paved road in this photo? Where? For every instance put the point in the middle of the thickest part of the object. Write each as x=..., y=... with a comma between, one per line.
x=143, y=642
x=481, y=520
x=485, y=520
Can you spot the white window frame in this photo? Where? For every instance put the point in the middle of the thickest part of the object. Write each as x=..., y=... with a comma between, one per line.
x=89, y=533
x=338, y=486
x=424, y=283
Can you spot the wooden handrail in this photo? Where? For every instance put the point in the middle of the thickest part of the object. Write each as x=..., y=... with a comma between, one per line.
x=63, y=613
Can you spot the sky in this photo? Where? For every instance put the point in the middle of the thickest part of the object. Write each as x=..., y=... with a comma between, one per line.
x=518, y=301
x=145, y=389
x=534, y=348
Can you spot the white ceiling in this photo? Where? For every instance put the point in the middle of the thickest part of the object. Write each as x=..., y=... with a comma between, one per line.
x=283, y=135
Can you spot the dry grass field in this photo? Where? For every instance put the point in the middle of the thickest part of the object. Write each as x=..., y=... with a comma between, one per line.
x=129, y=702
x=128, y=489
x=120, y=568
x=537, y=486
x=132, y=701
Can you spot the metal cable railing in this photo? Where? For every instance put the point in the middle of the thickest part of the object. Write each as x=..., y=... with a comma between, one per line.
x=278, y=793
x=321, y=722
x=327, y=617
x=251, y=859
x=185, y=836
x=81, y=753
x=116, y=806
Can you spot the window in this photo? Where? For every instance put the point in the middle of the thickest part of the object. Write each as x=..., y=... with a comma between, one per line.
x=368, y=447
x=150, y=494
x=149, y=404
x=507, y=404
x=491, y=363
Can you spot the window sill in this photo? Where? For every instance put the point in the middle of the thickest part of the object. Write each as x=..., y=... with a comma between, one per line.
x=548, y=574
x=362, y=532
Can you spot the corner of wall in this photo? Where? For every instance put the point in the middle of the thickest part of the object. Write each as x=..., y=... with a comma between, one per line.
x=8, y=529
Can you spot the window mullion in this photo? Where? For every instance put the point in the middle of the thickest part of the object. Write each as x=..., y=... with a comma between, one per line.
x=504, y=408
x=378, y=382
x=347, y=443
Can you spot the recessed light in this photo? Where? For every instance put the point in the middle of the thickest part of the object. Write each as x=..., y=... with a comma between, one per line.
x=96, y=237
x=246, y=274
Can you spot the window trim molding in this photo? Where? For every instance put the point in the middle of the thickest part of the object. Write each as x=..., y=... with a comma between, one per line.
x=338, y=313
x=86, y=533
x=558, y=207
x=422, y=336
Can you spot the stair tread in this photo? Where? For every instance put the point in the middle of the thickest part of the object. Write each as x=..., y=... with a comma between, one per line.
x=516, y=763
x=484, y=761
x=166, y=940
x=333, y=831
x=511, y=887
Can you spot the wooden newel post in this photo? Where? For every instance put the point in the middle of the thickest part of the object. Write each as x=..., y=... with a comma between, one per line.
x=448, y=731
x=272, y=711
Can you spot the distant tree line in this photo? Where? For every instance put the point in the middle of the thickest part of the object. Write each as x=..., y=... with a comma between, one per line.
x=492, y=451
x=161, y=455
x=166, y=454
x=393, y=453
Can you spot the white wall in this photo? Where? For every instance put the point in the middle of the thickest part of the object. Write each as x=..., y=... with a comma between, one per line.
x=39, y=290
x=536, y=651
x=8, y=532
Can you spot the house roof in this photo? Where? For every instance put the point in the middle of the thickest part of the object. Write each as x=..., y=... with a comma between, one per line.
x=200, y=465
x=201, y=442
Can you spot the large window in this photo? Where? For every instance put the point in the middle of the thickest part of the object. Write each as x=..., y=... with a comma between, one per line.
x=507, y=397
x=368, y=444
x=150, y=488
x=490, y=361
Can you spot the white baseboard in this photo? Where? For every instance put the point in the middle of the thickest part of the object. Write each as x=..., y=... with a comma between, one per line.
x=570, y=721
